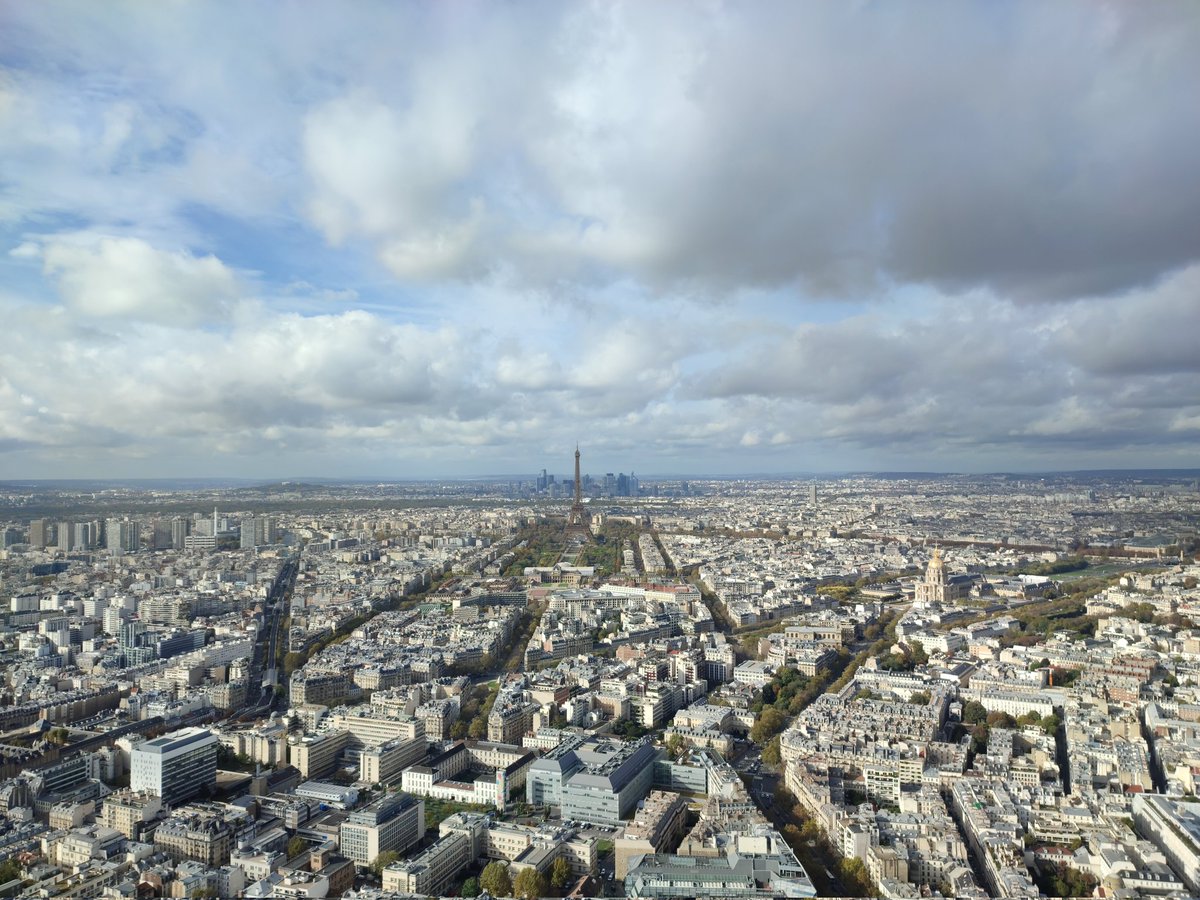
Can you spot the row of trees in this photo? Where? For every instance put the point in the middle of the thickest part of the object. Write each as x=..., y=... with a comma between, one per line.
x=472, y=721
x=789, y=692
x=1058, y=880
x=629, y=729
x=908, y=658
x=975, y=713
x=847, y=876
x=529, y=884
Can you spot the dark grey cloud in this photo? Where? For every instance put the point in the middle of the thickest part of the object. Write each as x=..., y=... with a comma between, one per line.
x=1039, y=150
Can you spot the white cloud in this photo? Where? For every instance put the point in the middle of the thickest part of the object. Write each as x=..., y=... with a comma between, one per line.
x=773, y=144
x=26, y=250
x=127, y=278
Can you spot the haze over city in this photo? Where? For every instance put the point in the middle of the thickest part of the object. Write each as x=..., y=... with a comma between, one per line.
x=400, y=240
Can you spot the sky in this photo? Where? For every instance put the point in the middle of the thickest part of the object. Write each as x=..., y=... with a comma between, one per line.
x=453, y=239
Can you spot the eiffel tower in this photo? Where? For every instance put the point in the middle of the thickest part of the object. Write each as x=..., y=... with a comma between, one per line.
x=579, y=520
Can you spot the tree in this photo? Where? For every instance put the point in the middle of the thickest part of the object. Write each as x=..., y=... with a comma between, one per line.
x=530, y=884
x=296, y=846
x=1000, y=720
x=676, y=746
x=811, y=831
x=495, y=880
x=771, y=755
x=470, y=887
x=10, y=870
x=918, y=654
x=974, y=712
x=383, y=860
x=767, y=725
x=560, y=872
x=478, y=728
x=629, y=729
x=855, y=877
x=458, y=730
x=920, y=698
x=979, y=739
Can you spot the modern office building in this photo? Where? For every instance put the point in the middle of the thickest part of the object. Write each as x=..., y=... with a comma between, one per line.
x=370, y=730
x=394, y=822
x=175, y=767
x=593, y=778
x=463, y=839
x=315, y=755
x=384, y=763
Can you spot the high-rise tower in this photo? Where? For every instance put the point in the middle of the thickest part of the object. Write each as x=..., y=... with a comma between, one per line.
x=579, y=521
x=578, y=482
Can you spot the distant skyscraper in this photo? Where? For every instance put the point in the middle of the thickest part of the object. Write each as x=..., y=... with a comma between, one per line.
x=85, y=536
x=160, y=534
x=66, y=537
x=38, y=529
x=812, y=493
x=112, y=534
x=181, y=527
x=246, y=532
x=122, y=534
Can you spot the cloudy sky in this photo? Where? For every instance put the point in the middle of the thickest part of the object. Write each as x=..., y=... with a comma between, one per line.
x=409, y=239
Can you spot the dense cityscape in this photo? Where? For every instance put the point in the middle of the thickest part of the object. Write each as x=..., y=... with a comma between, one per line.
x=737, y=449
x=898, y=686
